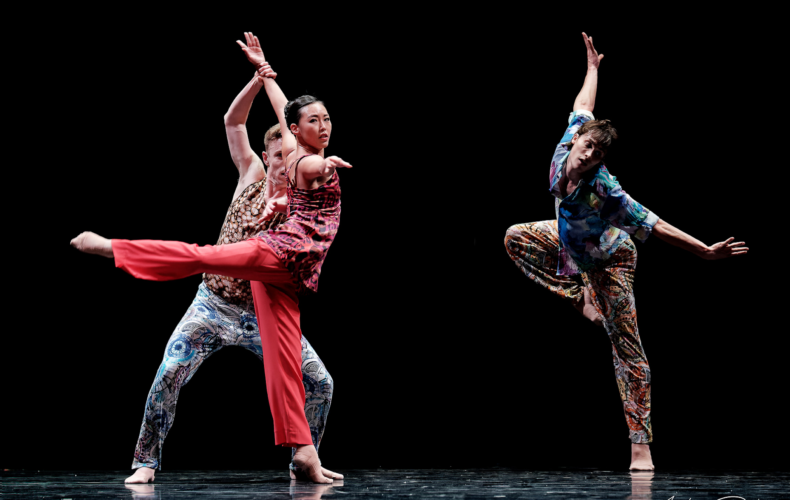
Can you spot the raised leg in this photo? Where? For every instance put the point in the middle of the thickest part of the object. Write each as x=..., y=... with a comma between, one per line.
x=157, y=260
x=534, y=247
x=194, y=339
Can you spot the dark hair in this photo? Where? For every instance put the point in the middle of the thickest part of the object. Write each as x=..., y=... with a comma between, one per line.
x=601, y=130
x=293, y=110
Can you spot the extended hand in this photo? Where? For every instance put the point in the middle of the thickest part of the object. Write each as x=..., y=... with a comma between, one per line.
x=274, y=205
x=336, y=162
x=593, y=59
x=253, y=49
x=725, y=249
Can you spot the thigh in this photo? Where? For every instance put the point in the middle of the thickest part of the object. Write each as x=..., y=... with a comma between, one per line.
x=611, y=289
x=195, y=338
x=534, y=247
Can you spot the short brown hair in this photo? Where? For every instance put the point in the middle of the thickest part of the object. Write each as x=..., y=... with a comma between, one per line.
x=272, y=134
x=601, y=131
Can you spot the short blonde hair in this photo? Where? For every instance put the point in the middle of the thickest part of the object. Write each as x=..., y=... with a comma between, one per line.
x=272, y=134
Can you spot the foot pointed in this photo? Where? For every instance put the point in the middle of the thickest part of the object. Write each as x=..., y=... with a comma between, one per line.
x=89, y=242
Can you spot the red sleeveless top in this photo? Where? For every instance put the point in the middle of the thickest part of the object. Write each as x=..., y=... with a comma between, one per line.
x=302, y=241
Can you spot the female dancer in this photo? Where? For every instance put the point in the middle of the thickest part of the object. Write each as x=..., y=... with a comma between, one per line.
x=280, y=262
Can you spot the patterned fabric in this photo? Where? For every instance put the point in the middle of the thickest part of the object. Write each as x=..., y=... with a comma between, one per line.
x=535, y=248
x=598, y=216
x=241, y=222
x=303, y=240
x=210, y=324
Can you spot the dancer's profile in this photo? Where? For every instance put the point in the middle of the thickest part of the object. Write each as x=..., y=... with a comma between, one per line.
x=586, y=255
x=280, y=262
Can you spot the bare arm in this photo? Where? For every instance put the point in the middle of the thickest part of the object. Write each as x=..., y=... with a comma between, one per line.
x=315, y=167
x=266, y=76
x=586, y=98
x=248, y=164
x=674, y=236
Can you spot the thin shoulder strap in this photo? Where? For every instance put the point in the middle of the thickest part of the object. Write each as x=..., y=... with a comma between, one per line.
x=296, y=167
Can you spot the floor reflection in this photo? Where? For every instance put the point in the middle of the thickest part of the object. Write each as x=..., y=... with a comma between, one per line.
x=301, y=490
x=403, y=483
x=143, y=491
x=642, y=485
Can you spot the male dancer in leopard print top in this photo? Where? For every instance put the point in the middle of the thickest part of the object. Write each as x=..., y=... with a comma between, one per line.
x=222, y=313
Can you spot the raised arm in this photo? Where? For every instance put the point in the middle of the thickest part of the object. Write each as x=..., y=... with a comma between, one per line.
x=249, y=165
x=678, y=238
x=586, y=98
x=255, y=55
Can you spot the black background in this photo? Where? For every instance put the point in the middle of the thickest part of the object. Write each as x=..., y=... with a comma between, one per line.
x=443, y=354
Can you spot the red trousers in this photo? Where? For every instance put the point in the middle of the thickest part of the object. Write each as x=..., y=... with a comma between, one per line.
x=276, y=306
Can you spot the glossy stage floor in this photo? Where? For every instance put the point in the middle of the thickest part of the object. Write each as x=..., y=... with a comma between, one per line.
x=404, y=483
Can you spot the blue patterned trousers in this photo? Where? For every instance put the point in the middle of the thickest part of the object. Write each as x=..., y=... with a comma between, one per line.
x=210, y=324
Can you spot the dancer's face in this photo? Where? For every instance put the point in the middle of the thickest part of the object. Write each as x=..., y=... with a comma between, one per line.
x=273, y=158
x=314, y=126
x=585, y=153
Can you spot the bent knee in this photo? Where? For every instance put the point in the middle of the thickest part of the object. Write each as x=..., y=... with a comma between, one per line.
x=515, y=236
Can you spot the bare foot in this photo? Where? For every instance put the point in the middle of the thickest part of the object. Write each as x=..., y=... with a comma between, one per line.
x=142, y=475
x=306, y=459
x=640, y=457
x=89, y=242
x=299, y=475
x=587, y=309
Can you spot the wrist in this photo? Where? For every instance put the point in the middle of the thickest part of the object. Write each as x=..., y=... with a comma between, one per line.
x=704, y=251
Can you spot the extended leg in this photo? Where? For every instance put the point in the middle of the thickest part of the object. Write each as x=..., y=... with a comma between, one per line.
x=157, y=260
x=612, y=291
x=194, y=339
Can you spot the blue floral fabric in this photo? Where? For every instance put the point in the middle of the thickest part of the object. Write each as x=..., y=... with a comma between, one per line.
x=210, y=324
x=598, y=216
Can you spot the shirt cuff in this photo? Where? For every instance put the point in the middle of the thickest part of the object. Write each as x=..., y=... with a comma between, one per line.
x=646, y=227
x=584, y=112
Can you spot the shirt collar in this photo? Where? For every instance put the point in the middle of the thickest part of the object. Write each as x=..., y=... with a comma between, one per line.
x=588, y=177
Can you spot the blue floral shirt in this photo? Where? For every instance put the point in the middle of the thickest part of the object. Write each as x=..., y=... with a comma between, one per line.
x=597, y=216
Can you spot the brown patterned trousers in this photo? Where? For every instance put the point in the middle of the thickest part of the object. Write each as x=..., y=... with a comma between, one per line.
x=534, y=247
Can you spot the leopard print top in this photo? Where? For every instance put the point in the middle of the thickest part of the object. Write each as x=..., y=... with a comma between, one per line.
x=241, y=222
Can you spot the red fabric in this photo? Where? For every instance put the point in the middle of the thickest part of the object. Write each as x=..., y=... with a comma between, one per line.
x=276, y=306
x=303, y=240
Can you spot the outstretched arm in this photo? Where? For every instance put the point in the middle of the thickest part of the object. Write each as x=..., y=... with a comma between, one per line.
x=586, y=98
x=248, y=164
x=255, y=55
x=678, y=238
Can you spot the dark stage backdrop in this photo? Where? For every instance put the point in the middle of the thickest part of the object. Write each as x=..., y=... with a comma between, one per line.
x=443, y=354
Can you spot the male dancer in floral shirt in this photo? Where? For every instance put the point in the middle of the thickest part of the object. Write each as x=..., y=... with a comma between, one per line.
x=587, y=256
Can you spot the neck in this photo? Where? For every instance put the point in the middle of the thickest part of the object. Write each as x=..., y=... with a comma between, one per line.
x=574, y=173
x=308, y=149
